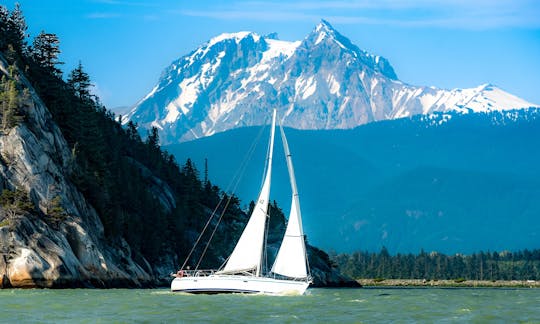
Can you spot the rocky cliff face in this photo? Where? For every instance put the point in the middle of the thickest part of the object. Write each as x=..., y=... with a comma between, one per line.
x=35, y=158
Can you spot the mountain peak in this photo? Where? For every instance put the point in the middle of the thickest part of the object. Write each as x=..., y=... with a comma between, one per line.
x=324, y=25
x=487, y=86
x=322, y=31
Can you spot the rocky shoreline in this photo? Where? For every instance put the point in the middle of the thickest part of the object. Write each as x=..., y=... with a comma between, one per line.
x=458, y=283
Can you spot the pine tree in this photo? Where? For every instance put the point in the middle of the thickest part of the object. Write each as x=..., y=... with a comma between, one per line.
x=11, y=100
x=153, y=138
x=4, y=16
x=15, y=202
x=132, y=132
x=11, y=107
x=79, y=81
x=55, y=212
x=16, y=30
x=45, y=50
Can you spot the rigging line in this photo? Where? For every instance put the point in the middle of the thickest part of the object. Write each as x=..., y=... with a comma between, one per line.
x=213, y=232
x=201, y=234
x=238, y=175
x=224, y=262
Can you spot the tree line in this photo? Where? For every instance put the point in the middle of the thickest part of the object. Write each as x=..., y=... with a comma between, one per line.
x=520, y=265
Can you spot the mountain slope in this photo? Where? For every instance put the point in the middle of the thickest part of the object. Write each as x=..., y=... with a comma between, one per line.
x=321, y=82
x=448, y=182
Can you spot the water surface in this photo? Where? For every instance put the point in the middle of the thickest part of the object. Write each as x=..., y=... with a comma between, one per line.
x=317, y=306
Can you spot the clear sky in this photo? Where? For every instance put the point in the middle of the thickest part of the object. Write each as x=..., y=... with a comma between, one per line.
x=125, y=44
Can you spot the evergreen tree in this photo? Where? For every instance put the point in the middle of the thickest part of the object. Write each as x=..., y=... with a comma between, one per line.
x=15, y=202
x=4, y=16
x=16, y=30
x=11, y=106
x=79, y=81
x=132, y=132
x=45, y=50
x=11, y=99
x=153, y=139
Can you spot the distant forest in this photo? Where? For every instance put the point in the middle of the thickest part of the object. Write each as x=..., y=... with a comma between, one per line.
x=520, y=265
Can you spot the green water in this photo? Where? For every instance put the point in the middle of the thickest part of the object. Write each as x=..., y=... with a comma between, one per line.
x=317, y=306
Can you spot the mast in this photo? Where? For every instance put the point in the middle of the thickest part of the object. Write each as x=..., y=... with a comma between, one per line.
x=247, y=254
x=268, y=179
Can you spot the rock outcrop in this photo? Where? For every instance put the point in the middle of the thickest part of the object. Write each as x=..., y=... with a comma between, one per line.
x=324, y=274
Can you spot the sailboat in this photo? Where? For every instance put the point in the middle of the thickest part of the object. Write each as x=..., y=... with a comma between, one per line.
x=243, y=271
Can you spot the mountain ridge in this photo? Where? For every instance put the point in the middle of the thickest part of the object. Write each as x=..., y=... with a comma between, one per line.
x=321, y=82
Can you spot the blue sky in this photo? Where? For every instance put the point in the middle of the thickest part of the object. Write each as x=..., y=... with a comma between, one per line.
x=125, y=44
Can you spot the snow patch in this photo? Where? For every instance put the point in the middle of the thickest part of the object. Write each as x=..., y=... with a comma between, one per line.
x=279, y=47
x=259, y=72
x=305, y=87
x=189, y=90
x=236, y=36
x=151, y=93
x=333, y=85
x=156, y=125
x=321, y=37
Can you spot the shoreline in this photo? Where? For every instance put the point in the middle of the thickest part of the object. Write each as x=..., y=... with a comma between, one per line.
x=449, y=283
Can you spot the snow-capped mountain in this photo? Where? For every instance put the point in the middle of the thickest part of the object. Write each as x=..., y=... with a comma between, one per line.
x=321, y=82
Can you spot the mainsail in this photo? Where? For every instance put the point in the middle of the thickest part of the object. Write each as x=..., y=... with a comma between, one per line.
x=291, y=258
x=247, y=254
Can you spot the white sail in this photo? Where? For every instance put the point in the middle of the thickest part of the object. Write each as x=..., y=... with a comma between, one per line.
x=247, y=253
x=291, y=258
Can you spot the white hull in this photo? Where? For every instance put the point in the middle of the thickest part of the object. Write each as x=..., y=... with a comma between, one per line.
x=215, y=284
